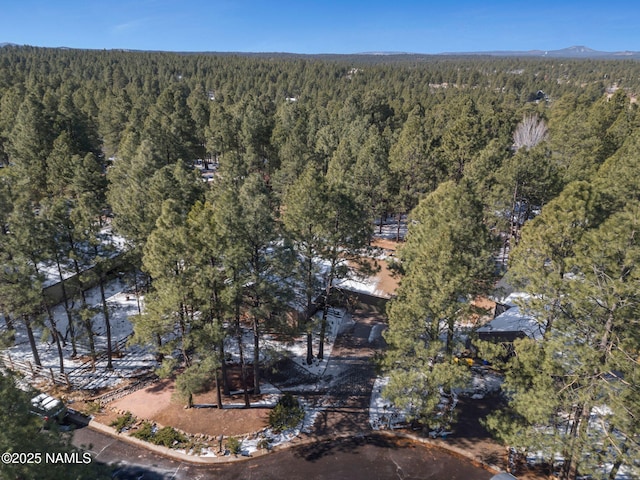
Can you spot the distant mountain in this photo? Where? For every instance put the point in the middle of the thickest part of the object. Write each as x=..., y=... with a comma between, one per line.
x=578, y=51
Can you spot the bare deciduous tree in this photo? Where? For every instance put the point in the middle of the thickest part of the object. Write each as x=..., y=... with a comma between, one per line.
x=530, y=132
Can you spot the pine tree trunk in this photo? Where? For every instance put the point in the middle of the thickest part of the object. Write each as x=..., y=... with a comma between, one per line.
x=323, y=329
x=56, y=337
x=245, y=385
x=218, y=390
x=325, y=314
x=137, y=289
x=243, y=369
x=223, y=369
x=256, y=356
x=86, y=314
x=243, y=372
x=309, y=344
x=308, y=313
x=450, y=332
x=107, y=322
x=572, y=458
x=65, y=300
x=32, y=340
x=159, y=354
x=183, y=334
x=327, y=294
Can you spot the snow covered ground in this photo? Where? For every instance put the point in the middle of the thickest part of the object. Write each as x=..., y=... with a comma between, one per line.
x=390, y=228
x=384, y=415
x=127, y=362
x=134, y=360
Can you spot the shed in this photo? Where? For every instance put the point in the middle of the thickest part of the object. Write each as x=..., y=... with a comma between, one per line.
x=512, y=323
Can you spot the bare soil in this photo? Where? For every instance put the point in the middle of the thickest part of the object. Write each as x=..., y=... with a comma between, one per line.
x=387, y=282
x=386, y=244
x=158, y=403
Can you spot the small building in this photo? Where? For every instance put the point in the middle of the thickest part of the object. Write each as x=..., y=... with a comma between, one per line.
x=510, y=322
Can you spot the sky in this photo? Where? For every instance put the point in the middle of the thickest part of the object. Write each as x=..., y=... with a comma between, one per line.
x=331, y=26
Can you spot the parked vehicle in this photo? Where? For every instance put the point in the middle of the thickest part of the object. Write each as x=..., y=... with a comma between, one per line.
x=49, y=408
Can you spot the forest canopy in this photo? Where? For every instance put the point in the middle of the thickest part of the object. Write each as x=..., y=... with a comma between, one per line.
x=537, y=158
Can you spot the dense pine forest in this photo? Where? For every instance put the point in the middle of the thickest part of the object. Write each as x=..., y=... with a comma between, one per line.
x=103, y=152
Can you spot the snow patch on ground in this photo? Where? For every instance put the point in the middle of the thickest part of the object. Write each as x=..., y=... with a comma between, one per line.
x=483, y=382
x=389, y=228
x=338, y=320
x=382, y=413
x=127, y=361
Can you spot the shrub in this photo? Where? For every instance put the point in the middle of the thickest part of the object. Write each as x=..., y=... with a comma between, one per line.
x=168, y=436
x=145, y=432
x=194, y=446
x=123, y=422
x=91, y=408
x=286, y=414
x=234, y=445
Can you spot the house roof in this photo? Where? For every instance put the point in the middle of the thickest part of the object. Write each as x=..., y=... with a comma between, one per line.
x=514, y=320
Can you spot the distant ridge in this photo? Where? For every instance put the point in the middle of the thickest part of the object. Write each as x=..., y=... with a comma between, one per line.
x=577, y=51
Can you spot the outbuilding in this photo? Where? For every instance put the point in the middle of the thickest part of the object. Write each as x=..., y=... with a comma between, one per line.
x=511, y=322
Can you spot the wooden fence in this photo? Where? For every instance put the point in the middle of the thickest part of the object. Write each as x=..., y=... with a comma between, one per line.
x=34, y=371
x=113, y=395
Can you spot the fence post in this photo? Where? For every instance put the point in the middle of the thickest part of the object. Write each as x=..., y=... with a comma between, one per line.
x=33, y=373
x=53, y=379
x=66, y=377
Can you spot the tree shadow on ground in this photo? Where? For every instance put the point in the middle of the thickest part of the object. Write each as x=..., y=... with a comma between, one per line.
x=318, y=450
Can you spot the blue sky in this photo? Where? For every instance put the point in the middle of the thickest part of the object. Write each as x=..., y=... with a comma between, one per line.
x=347, y=26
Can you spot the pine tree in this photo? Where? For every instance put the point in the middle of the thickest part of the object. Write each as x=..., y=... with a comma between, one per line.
x=346, y=232
x=31, y=141
x=169, y=307
x=571, y=392
x=414, y=171
x=265, y=292
x=370, y=181
x=304, y=211
x=446, y=262
x=170, y=129
x=209, y=284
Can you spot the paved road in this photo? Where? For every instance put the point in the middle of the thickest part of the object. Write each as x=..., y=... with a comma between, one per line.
x=366, y=457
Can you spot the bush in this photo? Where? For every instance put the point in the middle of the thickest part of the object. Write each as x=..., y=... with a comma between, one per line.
x=168, y=436
x=123, y=422
x=234, y=445
x=145, y=432
x=91, y=408
x=286, y=414
x=194, y=446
